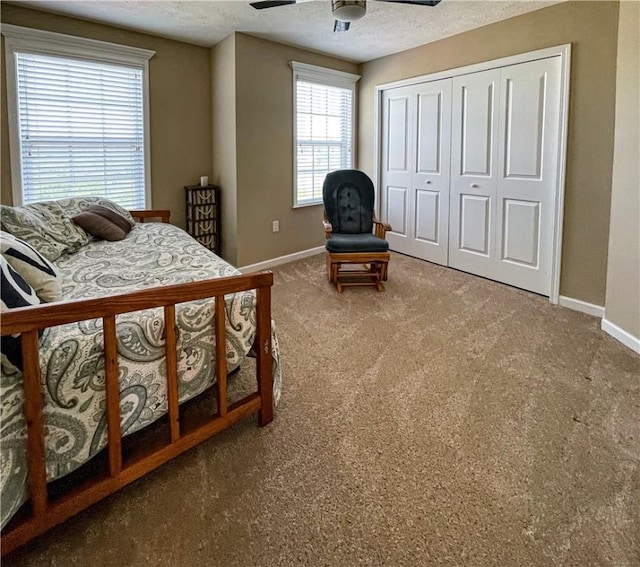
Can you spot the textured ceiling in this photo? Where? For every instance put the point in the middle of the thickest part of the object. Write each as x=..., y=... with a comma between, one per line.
x=386, y=28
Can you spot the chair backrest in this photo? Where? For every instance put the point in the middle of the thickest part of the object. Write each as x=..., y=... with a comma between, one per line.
x=349, y=197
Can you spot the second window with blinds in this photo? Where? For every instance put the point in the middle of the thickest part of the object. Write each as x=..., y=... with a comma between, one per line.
x=323, y=123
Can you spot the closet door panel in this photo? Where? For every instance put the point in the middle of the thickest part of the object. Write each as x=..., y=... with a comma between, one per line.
x=476, y=124
x=416, y=166
x=522, y=116
x=396, y=171
x=527, y=184
x=431, y=175
x=398, y=134
x=521, y=232
x=429, y=134
x=474, y=151
x=475, y=223
x=397, y=209
x=428, y=216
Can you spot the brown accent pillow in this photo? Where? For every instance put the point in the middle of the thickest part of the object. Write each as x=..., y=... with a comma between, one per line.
x=103, y=222
x=111, y=215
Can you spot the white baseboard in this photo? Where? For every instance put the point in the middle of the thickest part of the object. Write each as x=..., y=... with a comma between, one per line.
x=281, y=260
x=582, y=306
x=627, y=339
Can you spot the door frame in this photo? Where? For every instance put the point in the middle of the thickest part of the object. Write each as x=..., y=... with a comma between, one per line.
x=562, y=51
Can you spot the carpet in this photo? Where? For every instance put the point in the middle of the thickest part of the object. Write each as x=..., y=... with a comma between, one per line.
x=449, y=420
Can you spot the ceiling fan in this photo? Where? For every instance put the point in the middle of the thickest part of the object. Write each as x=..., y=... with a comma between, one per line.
x=344, y=11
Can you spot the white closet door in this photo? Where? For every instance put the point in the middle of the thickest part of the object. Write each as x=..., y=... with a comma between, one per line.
x=528, y=166
x=504, y=173
x=474, y=161
x=469, y=174
x=415, y=175
x=431, y=171
x=396, y=166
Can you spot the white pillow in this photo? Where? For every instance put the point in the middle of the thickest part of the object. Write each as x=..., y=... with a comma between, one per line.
x=36, y=270
x=16, y=292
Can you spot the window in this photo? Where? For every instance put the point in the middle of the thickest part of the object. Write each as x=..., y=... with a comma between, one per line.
x=78, y=118
x=324, y=102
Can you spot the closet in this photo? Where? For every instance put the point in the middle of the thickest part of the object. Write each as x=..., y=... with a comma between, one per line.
x=469, y=168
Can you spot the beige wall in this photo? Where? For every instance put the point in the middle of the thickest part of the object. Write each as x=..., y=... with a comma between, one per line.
x=591, y=27
x=622, y=307
x=240, y=94
x=223, y=92
x=180, y=105
x=264, y=115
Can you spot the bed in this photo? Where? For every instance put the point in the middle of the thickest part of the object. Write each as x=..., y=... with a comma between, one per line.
x=107, y=366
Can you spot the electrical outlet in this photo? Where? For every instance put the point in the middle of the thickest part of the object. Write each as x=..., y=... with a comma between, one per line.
x=275, y=226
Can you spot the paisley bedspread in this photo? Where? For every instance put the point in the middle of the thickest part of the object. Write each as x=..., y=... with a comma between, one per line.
x=72, y=361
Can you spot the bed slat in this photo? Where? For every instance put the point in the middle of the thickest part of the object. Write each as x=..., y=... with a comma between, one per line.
x=264, y=361
x=221, y=356
x=112, y=394
x=33, y=405
x=172, y=371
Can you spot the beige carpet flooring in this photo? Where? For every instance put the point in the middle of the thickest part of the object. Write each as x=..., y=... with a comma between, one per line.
x=447, y=421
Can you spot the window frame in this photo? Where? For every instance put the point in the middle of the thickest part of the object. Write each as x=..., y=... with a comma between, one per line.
x=326, y=77
x=20, y=39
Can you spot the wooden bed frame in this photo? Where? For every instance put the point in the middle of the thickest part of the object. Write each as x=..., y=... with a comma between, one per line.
x=45, y=512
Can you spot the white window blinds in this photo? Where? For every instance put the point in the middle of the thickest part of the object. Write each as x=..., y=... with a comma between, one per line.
x=324, y=126
x=81, y=129
x=324, y=122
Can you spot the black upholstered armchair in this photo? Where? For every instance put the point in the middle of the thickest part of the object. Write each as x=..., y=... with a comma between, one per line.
x=354, y=236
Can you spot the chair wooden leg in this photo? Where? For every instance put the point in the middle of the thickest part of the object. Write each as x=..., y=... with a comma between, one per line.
x=373, y=272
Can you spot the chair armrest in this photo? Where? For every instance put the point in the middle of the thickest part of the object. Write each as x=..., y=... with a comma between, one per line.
x=380, y=228
x=328, y=229
x=142, y=215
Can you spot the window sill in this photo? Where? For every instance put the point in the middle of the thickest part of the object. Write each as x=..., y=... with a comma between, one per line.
x=304, y=205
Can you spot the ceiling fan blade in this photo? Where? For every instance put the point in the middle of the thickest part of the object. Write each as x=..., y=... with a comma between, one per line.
x=415, y=2
x=339, y=26
x=271, y=4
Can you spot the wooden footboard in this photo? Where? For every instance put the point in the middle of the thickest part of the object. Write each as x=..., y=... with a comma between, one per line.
x=46, y=513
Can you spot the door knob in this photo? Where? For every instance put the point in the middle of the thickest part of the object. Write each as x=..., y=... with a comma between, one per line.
x=474, y=185
x=428, y=181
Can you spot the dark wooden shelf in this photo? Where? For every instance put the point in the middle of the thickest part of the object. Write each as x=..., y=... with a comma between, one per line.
x=203, y=215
